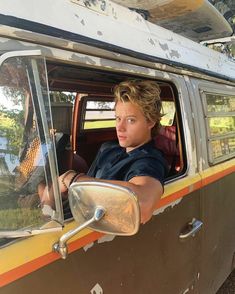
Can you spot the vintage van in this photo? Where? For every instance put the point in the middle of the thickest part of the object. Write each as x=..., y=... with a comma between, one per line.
x=59, y=63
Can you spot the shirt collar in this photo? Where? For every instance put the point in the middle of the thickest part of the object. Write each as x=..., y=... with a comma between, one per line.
x=141, y=148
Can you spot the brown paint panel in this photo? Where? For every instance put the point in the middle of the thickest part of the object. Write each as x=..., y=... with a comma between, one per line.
x=218, y=243
x=153, y=261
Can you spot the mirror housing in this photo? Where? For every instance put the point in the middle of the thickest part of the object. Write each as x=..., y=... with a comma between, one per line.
x=103, y=207
x=122, y=213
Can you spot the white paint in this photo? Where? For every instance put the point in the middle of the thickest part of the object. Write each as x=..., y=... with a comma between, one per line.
x=126, y=26
x=96, y=289
x=187, y=79
x=166, y=75
x=88, y=246
x=172, y=204
x=106, y=238
x=186, y=291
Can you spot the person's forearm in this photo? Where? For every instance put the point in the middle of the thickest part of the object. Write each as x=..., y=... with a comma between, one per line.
x=147, y=202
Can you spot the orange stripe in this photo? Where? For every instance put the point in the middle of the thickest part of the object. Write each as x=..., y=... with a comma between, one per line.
x=41, y=261
x=210, y=179
x=179, y=194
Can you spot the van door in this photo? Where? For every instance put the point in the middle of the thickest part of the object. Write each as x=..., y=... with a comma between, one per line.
x=216, y=122
x=163, y=256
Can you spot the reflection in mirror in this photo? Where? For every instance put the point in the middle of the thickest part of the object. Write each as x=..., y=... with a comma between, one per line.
x=122, y=214
x=24, y=170
x=103, y=207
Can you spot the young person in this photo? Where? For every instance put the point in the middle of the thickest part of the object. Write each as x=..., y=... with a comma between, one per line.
x=133, y=162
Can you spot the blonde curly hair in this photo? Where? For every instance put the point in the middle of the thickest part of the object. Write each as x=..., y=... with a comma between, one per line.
x=145, y=94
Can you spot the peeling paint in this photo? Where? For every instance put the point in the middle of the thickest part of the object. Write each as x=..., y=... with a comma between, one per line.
x=106, y=238
x=139, y=18
x=151, y=41
x=191, y=188
x=83, y=59
x=166, y=75
x=162, y=209
x=96, y=289
x=88, y=246
x=124, y=66
x=186, y=291
x=174, y=53
x=187, y=80
x=130, y=24
x=164, y=46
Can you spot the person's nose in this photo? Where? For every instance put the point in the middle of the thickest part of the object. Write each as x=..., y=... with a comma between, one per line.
x=121, y=126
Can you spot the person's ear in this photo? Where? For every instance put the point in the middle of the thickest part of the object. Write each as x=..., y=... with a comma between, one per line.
x=151, y=124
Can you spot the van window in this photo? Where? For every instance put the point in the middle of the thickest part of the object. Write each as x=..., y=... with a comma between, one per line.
x=98, y=114
x=168, y=112
x=61, y=110
x=220, y=117
x=25, y=143
x=93, y=116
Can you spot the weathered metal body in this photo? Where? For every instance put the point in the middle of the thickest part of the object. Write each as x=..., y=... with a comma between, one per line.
x=88, y=50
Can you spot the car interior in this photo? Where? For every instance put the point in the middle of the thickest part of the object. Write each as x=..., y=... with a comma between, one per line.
x=82, y=125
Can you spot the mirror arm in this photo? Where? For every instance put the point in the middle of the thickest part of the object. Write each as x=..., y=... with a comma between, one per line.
x=61, y=246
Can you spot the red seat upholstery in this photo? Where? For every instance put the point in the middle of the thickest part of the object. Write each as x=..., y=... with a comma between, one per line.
x=72, y=161
x=166, y=142
x=66, y=159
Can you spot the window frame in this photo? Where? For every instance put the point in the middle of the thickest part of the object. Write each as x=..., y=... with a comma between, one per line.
x=34, y=80
x=204, y=90
x=84, y=101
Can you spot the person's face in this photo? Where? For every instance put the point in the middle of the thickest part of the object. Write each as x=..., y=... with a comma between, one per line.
x=133, y=129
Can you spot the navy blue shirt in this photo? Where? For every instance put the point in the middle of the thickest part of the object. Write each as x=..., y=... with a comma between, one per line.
x=114, y=163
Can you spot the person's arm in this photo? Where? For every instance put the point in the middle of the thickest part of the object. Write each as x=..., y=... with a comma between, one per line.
x=147, y=189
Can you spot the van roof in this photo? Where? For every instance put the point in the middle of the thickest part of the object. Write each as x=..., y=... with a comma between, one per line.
x=112, y=27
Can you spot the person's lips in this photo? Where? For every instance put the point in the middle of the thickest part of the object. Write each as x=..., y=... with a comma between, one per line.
x=121, y=138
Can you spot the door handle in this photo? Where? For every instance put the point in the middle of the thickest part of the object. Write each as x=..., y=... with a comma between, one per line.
x=194, y=226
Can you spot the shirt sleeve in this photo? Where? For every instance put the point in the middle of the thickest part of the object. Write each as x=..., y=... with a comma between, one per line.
x=152, y=167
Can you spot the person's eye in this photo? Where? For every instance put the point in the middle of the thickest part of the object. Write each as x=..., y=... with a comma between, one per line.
x=131, y=120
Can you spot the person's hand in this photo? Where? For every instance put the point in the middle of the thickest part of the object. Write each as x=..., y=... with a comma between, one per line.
x=46, y=195
x=65, y=180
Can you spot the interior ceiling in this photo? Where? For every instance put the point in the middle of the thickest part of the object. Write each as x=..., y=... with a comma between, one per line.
x=62, y=77
x=76, y=79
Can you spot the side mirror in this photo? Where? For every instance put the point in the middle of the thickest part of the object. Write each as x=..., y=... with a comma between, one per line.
x=103, y=207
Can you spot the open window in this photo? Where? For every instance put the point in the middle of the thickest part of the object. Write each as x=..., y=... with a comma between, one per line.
x=93, y=113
